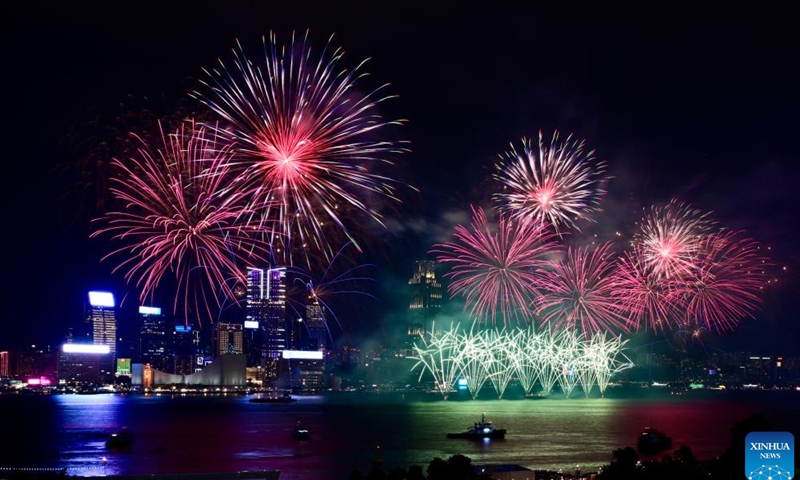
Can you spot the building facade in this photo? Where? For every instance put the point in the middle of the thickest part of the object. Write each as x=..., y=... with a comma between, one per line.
x=230, y=339
x=154, y=342
x=102, y=320
x=255, y=317
x=276, y=313
x=426, y=298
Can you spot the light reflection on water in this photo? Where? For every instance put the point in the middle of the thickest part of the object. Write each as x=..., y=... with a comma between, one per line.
x=186, y=434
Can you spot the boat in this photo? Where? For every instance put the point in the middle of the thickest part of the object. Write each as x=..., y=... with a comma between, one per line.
x=300, y=432
x=480, y=430
x=120, y=440
x=536, y=396
x=652, y=441
x=285, y=398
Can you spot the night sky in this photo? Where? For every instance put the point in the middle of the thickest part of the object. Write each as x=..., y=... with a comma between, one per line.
x=700, y=104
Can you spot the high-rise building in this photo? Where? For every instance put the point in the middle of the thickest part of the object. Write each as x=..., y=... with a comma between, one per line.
x=103, y=324
x=186, y=349
x=276, y=313
x=315, y=323
x=255, y=316
x=154, y=339
x=5, y=370
x=426, y=297
x=230, y=339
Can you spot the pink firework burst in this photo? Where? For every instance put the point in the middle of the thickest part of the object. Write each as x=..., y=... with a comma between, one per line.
x=727, y=284
x=557, y=183
x=647, y=298
x=578, y=292
x=494, y=266
x=670, y=236
x=306, y=146
x=176, y=219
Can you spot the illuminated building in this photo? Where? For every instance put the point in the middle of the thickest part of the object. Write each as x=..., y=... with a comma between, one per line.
x=185, y=342
x=304, y=371
x=154, y=339
x=83, y=363
x=33, y=362
x=426, y=298
x=255, y=316
x=315, y=323
x=230, y=340
x=103, y=321
x=276, y=313
x=4, y=364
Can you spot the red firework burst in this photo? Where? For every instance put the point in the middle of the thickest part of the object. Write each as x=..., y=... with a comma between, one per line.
x=670, y=236
x=494, y=266
x=578, y=292
x=174, y=217
x=727, y=284
x=558, y=184
x=305, y=141
x=647, y=298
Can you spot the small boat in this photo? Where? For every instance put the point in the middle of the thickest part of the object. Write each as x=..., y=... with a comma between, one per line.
x=285, y=398
x=652, y=441
x=536, y=396
x=120, y=440
x=300, y=432
x=480, y=430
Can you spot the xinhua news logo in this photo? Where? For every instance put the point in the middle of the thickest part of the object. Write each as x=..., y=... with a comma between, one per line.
x=769, y=456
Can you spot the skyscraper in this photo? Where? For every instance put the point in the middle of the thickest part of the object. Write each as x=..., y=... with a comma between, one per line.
x=315, y=323
x=102, y=320
x=276, y=313
x=103, y=324
x=255, y=316
x=154, y=339
x=426, y=297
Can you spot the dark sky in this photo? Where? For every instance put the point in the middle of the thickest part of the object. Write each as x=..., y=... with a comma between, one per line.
x=698, y=103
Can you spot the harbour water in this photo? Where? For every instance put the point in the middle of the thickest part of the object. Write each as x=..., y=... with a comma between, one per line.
x=193, y=434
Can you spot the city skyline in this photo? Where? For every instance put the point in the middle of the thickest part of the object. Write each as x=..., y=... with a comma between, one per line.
x=674, y=114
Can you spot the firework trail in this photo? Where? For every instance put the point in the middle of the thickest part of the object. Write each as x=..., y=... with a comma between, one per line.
x=172, y=221
x=339, y=280
x=648, y=299
x=726, y=286
x=558, y=184
x=578, y=292
x=494, y=266
x=669, y=238
x=305, y=147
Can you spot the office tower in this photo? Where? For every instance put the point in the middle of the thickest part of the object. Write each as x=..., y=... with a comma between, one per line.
x=229, y=339
x=186, y=345
x=315, y=323
x=153, y=345
x=275, y=329
x=102, y=320
x=5, y=370
x=426, y=298
x=255, y=316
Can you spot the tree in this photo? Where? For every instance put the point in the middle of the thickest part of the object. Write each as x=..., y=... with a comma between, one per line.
x=438, y=470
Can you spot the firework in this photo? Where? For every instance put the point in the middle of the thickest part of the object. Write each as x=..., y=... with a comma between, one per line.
x=439, y=355
x=725, y=286
x=648, y=299
x=339, y=280
x=494, y=266
x=670, y=236
x=565, y=357
x=558, y=184
x=173, y=222
x=578, y=292
x=305, y=140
